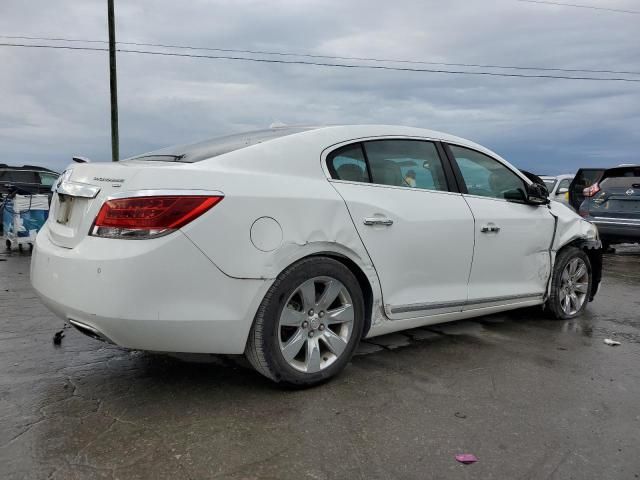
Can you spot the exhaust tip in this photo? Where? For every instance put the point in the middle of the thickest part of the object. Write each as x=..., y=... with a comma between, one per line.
x=90, y=331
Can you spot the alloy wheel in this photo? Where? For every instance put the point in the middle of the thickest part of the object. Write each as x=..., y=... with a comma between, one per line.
x=574, y=284
x=316, y=324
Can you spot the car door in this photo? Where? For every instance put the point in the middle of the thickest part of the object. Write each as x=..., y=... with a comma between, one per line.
x=418, y=233
x=511, y=260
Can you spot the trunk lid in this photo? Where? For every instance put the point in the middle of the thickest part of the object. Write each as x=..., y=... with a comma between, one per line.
x=83, y=188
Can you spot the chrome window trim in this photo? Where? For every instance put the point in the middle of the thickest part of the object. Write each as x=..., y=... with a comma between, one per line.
x=381, y=185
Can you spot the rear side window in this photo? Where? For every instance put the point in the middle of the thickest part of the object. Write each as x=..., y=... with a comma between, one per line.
x=405, y=163
x=486, y=177
x=348, y=163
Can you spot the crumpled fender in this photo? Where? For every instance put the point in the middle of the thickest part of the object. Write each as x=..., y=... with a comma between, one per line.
x=571, y=226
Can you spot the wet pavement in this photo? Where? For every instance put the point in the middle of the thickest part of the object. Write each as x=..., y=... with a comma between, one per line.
x=532, y=398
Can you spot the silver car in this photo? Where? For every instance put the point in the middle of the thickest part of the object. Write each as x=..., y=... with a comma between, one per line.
x=558, y=187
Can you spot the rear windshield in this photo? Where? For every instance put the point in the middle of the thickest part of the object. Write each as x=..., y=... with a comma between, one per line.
x=626, y=177
x=217, y=146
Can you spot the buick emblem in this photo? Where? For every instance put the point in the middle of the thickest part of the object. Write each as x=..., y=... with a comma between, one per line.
x=631, y=191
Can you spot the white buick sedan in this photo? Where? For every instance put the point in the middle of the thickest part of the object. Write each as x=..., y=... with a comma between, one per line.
x=291, y=244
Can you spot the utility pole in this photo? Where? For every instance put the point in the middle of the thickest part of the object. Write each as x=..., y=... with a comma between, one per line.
x=113, y=85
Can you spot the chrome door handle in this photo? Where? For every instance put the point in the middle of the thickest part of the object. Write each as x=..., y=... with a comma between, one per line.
x=387, y=222
x=490, y=229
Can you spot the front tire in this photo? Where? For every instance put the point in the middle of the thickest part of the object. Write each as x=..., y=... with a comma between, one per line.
x=308, y=325
x=570, y=284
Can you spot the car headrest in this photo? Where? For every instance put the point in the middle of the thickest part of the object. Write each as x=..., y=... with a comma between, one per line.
x=351, y=172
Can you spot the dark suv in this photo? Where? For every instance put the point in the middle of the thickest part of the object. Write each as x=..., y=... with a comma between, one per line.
x=585, y=177
x=26, y=179
x=613, y=204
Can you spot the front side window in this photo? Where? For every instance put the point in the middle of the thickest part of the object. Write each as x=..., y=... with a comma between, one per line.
x=347, y=163
x=564, y=184
x=486, y=177
x=405, y=163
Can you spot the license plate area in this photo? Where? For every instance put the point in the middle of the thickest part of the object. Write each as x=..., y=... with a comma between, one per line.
x=65, y=207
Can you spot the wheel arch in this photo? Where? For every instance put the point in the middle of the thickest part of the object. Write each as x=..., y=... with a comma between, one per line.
x=593, y=250
x=363, y=281
x=363, y=271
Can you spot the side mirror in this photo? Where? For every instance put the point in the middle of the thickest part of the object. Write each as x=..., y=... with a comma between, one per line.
x=562, y=191
x=537, y=194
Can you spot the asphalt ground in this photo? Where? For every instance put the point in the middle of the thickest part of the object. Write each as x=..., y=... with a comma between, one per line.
x=530, y=397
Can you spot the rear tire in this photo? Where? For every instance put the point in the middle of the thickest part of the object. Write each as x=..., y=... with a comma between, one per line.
x=570, y=284
x=308, y=325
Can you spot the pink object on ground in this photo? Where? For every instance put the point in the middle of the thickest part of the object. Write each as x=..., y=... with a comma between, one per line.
x=466, y=458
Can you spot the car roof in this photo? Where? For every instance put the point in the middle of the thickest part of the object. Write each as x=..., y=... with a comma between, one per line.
x=327, y=135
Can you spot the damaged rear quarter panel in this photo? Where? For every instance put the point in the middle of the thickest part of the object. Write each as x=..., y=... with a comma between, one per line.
x=311, y=215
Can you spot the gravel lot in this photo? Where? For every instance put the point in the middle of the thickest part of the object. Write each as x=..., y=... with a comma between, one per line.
x=532, y=398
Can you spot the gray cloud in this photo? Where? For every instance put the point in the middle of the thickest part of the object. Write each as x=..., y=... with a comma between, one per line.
x=56, y=103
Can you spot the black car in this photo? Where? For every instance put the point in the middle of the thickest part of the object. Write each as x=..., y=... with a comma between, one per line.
x=27, y=179
x=613, y=204
x=585, y=177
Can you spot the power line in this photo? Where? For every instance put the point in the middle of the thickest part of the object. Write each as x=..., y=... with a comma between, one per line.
x=333, y=57
x=322, y=64
x=591, y=7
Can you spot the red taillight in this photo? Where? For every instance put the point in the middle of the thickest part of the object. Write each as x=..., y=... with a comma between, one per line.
x=591, y=191
x=146, y=217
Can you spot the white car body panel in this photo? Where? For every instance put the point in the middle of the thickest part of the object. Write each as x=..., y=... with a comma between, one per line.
x=414, y=274
x=132, y=293
x=198, y=289
x=524, y=239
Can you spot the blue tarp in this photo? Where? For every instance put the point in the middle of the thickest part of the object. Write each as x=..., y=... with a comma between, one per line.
x=22, y=215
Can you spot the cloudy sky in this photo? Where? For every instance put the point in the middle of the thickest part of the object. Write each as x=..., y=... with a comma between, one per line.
x=55, y=103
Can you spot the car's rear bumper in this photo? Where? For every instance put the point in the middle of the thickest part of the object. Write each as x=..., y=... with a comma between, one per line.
x=161, y=294
x=617, y=230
